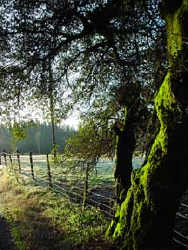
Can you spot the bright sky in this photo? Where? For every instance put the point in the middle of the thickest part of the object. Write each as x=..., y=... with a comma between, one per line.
x=72, y=121
x=36, y=114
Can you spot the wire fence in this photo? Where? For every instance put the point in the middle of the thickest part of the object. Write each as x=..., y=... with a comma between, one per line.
x=78, y=181
x=180, y=236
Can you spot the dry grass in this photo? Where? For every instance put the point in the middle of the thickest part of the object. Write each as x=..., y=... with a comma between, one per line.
x=30, y=228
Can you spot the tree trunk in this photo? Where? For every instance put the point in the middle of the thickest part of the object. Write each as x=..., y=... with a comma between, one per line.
x=52, y=114
x=54, y=145
x=145, y=219
x=125, y=145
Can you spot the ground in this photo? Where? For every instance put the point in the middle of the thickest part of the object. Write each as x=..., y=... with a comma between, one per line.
x=6, y=241
x=180, y=230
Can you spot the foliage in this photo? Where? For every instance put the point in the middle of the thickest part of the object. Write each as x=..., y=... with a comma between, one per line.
x=18, y=131
x=69, y=37
x=62, y=50
x=90, y=143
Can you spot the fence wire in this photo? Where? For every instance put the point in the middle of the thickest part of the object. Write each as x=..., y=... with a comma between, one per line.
x=68, y=184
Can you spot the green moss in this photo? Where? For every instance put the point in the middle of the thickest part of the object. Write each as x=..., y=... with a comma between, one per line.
x=174, y=31
x=117, y=227
x=174, y=42
x=168, y=113
x=113, y=224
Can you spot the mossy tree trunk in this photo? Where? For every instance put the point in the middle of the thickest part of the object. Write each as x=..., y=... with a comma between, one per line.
x=145, y=219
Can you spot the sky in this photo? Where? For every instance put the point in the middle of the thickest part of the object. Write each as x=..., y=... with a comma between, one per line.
x=37, y=115
x=72, y=121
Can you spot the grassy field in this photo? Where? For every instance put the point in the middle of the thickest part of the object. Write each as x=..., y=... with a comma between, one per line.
x=70, y=181
x=53, y=218
x=42, y=219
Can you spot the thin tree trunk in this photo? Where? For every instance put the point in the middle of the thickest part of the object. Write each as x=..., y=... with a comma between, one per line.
x=53, y=127
x=54, y=145
x=145, y=219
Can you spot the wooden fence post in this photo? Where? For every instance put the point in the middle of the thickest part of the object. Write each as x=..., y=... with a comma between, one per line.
x=5, y=158
x=85, y=186
x=19, y=165
x=49, y=172
x=11, y=164
x=31, y=162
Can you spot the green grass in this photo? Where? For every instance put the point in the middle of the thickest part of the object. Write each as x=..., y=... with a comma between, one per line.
x=42, y=219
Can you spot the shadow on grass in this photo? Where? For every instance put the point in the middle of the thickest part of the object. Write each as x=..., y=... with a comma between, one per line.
x=32, y=231
x=6, y=241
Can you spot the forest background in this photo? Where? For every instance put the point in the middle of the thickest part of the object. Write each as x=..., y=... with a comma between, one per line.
x=37, y=139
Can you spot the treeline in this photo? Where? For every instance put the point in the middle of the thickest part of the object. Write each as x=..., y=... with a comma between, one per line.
x=38, y=139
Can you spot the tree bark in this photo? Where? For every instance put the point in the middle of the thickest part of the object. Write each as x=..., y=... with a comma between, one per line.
x=125, y=145
x=145, y=219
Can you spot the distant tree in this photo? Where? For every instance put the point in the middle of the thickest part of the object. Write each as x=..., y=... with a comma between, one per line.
x=34, y=138
x=90, y=143
x=18, y=133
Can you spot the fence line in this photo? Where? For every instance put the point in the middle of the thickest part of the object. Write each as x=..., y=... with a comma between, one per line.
x=180, y=243
x=56, y=179
x=181, y=215
x=184, y=205
x=180, y=234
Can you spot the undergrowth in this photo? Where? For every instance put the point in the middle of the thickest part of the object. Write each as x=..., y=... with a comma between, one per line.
x=41, y=219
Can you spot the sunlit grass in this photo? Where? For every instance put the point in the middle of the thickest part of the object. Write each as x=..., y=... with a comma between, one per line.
x=41, y=219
